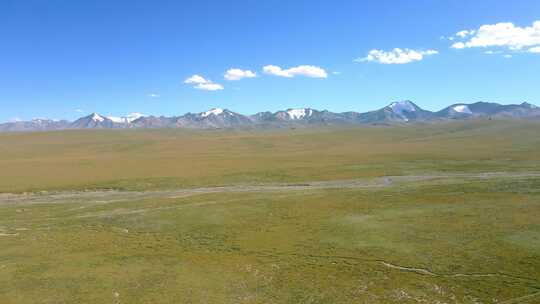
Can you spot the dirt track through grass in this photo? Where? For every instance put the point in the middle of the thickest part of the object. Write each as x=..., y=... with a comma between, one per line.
x=108, y=196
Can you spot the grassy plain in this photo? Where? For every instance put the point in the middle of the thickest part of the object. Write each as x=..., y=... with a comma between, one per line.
x=446, y=240
x=156, y=159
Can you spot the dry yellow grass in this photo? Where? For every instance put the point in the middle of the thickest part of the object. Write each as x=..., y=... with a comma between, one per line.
x=150, y=159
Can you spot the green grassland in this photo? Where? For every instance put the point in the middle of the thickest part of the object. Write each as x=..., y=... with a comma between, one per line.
x=446, y=240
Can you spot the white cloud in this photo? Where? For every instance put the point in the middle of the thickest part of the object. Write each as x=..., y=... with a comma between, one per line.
x=504, y=34
x=275, y=70
x=535, y=49
x=153, y=95
x=79, y=110
x=237, y=74
x=203, y=84
x=465, y=33
x=458, y=45
x=396, y=56
x=209, y=86
x=507, y=56
x=301, y=70
x=195, y=79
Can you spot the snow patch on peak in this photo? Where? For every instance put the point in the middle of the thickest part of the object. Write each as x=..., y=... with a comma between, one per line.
x=126, y=119
x=116, y=119
x=462, y=109
x=299, y=113
x=97, y=117
x=134, y=116
x=214, y=111
x=399, y=107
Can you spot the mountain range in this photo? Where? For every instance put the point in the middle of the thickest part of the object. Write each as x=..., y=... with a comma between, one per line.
x=400, y=112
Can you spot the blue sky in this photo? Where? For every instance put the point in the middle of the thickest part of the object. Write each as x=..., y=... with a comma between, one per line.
x=64, y=59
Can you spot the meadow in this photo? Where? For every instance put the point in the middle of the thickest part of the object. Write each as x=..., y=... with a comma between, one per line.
x=442, y=213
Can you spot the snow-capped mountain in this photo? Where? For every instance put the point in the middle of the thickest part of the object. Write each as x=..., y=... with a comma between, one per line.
x=409, y=111
x=214, y=111
x=293, y=114
x=489, y=109
x=299, y=113
x=126, y=119
x=455, y=111
x=211, y=119
x=299, y=116
x=92, y=121
x=96, y=121
x=399, y=112
x=402, y=108
x=461, y=109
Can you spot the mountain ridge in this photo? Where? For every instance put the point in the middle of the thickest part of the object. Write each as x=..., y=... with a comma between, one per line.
x=398, y=112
